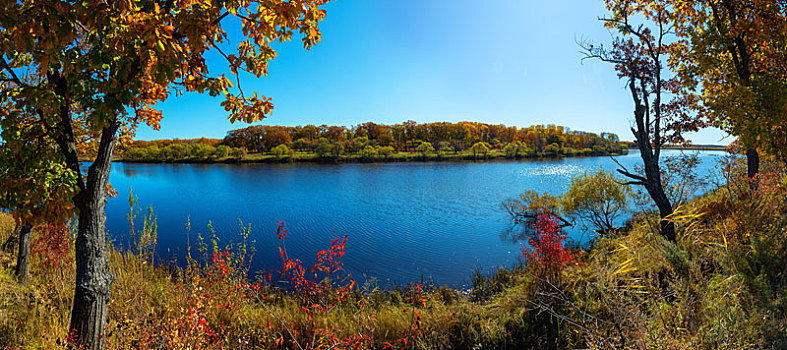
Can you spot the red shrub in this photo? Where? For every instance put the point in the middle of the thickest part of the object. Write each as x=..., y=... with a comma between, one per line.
x=53, y=245
x=548, y=255
x=323, y=287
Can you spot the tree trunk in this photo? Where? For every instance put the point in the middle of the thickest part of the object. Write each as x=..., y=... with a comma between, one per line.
x=665, y=210
x=752, y=162
x=93, y=277
x=23, y=256
x=656, y=191
x=12, y=239
x=652, y=180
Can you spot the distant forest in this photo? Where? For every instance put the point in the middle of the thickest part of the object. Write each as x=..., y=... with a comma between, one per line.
x=379, y=141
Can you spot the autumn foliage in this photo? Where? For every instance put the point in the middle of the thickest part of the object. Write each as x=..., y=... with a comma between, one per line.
x=53, y=244
x=303, y=306
x=325, y=286
x=407, y=136
x=548, y=255
x=80, y=77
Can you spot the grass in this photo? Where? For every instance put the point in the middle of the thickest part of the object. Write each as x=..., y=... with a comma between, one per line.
x=722, y=285
x=161, y=307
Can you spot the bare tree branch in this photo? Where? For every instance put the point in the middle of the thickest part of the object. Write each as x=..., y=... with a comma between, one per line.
x=14, y=78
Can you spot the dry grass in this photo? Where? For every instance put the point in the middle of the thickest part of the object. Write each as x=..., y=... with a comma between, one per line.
x=159, y=307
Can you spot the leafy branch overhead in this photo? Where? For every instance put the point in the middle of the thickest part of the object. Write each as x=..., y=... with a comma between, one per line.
x=136, y=53
x=84, y=75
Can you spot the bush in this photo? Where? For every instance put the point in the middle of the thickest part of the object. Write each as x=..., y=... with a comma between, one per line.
x=281, y=151
x=598, y=199
x=595, y=201
x=548, y=256
x=53, y=245
x=238, y=152
x=222, y=151
x=425, y=148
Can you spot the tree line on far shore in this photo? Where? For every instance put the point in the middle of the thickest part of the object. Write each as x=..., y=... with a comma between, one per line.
x=443, y=140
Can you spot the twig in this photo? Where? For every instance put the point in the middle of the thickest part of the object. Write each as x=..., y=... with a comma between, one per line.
x=270, y=312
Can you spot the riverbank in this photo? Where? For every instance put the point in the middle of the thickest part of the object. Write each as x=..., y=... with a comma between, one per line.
x=370, y=142
x=302, y=157
x=214, y=302
x=720, y=286
x=698, y=148
x=632, y=145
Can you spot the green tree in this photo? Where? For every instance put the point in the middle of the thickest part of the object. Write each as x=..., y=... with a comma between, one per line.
x=597, y=198
x=444, y=137
x=386, y=151
x=178, y=150
x=425, y=148
x=237, y=152
x=103, y=66
x=133, y=153
x=480, y=149
x=222, y=151
x=324, y=148
x=166, y=153
x=552, y=150
x=337, y=149
x=513, y=149
x=443, y=147
x=357, y=144
x=153, y=152
x=369, y=152
x=281, y=151
x=301, y=144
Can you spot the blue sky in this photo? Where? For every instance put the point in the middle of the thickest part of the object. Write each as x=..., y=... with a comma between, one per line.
x=512, y=62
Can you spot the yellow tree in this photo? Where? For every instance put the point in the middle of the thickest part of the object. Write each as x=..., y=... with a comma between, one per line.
x=105, y=64
x=732, y=58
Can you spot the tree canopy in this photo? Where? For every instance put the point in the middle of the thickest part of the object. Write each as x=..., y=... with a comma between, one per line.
x=409, y=135
x=731, y=58
x=77, y=75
